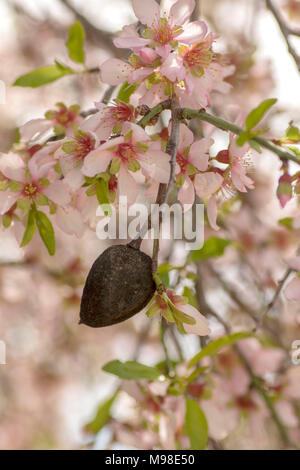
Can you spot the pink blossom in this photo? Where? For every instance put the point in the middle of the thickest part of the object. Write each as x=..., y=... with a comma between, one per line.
x=163, y=28
x=108, y=119
x=35, y=183
x=61, y=121
x=191, y=158
x=128, y=154
x=167, y=303
x=207, y=184
x=238, y=166
x=71, y=155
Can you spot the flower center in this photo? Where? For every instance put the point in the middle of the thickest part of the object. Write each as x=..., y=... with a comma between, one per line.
x=113, y=183
x=182, y=162
x=163, y=32
x=30, y=190
x=121, y=112
x=125, y=151
x=199, y=56
x=245, y=403
x=84, y=145
x=64, y=117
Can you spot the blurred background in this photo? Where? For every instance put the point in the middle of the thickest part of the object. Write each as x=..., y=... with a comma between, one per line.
x=53, y=382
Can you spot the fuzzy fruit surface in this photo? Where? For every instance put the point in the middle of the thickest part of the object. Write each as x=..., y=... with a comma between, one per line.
x=119, y=285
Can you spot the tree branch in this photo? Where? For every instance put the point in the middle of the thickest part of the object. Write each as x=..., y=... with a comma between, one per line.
x=274, y=299
x=228, y=126
x=286, y=32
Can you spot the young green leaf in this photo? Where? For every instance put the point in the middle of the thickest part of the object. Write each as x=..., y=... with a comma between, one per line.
x=256, y=115
x=76, y=37
x=102, y=196
x=287, y=222
x=42, y=76
x=213, y=247
x=102, y=416
x=126, y=91
x=131, y=370
x=215, y=346
x=30, y=228
x=196, y=425
x=46, y=231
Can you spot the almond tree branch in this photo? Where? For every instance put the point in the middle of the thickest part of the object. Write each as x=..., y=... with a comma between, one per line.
x=228, y=126
x=286, y=32
x=255, y=380
x=164, y=189
x=274, y=299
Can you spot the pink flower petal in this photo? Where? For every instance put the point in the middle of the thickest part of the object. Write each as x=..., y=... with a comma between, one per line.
x=130, y=42
x=140, y=74
x=96, y=162
x=186, y=194
x=12, y=166
x=292, y=290
x=7, y=200
x=127, y=185
x=181, y=11
x=36, y=128
x=207, y=184
x=74, y=179
x=198, y=155
x=186, y=137
x=156, y=165
x=115, y=71
x=193, y=32
x=173, y=68
x=69, y=220
x=58, y=193
x=201, y=327
x=212, y=213
x=147, y=12
x=148, y=55
x=294, y=263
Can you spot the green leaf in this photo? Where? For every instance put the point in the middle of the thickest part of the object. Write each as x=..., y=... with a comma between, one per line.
x=243, y=138
x=30, y=228
x=212, y=248
x=287, y=222
x=46, y=231
x=102, y=195
x=215, y=346
x=131, y=370
x=255, y=116
x=293, y=133
x=102, y=416
x=187, y=292
x=6, y=220
x=126, y=91
x=42, y=76
x=75, y=42
x=196, y=425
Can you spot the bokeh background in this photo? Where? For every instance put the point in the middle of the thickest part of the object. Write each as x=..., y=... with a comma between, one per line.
x=53, y=382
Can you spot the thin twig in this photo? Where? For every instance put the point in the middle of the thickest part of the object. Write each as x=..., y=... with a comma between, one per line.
x=286, y=32
x=256, y=382
x=274, y=299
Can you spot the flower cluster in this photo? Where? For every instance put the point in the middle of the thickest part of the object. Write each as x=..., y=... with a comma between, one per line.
x=170, y=57
x=65, y=164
